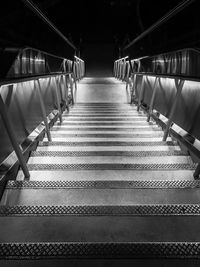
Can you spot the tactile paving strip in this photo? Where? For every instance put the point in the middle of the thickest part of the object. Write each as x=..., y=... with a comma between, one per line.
x=136, y=210
x=167, y=250
x=103, y=184
x=106, y=153
x=77, y=167
x=111, y=143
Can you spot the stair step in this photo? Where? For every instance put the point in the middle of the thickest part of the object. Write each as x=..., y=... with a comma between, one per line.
x=107, y=132
x=97, y=229
x=103, y=118
x=106, y=135
x=105, y=153
x=164, y=160
x=103, y=184
x=111, y=175
x=153, y=140
x=102, y=123
x=99, y=196
x=106, y=115
x=121, y=149
x=104, y=128
x=111, y=166
x=111, y=143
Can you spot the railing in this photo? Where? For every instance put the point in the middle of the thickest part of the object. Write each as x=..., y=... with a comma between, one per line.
x=169, y=87
x=35, y=85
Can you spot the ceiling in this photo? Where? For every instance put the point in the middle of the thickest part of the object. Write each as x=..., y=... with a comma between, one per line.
x=99, y=21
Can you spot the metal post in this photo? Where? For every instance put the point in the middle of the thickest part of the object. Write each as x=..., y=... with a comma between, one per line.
x=140, y=94
x=58, y=101
x=152, y=100
x=179, y=86
x=66, y=91
x=42, y=106
x=13, y=139
x=197, y=172
x=134, y=86
x=71, y=87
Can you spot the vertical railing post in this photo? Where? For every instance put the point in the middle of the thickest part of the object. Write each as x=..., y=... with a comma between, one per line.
x=179, y=86
x=134, y=79
x=66, y=91
x=71, y=87
x=12, y=137
x=42, y=106
x=140, y=94
x=58, y=100
x=197, y=172
x=152, y=99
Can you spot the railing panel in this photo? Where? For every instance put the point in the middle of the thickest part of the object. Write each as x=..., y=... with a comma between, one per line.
x=187, y=113
x=148, y=89
x=165, y=94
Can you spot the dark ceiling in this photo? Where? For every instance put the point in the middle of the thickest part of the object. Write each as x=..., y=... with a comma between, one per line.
x=103, y=21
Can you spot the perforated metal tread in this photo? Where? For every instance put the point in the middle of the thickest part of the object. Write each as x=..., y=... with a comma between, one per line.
x=166, y=250
x=106, y=153
x=103, y=184
x=111, y=143
x=183, y=166
x=135, y=210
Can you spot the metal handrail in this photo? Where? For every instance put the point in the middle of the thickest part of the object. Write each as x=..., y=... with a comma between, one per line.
x=32, y=77
x=39, y=13
x=73, y=77
x=162, y=20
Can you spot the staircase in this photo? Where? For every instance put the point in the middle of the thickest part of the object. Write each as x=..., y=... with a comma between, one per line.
x=106, y=188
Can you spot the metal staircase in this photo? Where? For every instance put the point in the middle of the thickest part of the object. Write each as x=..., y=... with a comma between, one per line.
x=106, y=187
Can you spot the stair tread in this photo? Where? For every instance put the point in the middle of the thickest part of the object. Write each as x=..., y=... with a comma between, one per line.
x=99, y=196
x=95, y=175
x=110, y=148
x=110, y=160
x=99, y=229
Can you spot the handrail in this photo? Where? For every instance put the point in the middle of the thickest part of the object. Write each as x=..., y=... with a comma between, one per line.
x=39, y=13
x=32, y=77
x=182, y=63
x=183, y=93
x=60, y=81
x=162, y=20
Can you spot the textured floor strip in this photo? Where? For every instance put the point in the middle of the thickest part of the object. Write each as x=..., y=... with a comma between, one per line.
x=136, y=210
x=77, y=167
x=114, y=143
x=103, y=184
x=166, y=250
x=106, y=153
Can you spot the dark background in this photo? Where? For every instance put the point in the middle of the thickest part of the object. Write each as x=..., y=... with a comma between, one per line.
x=100, y=28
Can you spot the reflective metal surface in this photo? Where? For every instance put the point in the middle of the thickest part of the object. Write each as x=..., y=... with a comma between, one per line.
x=21, y=96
